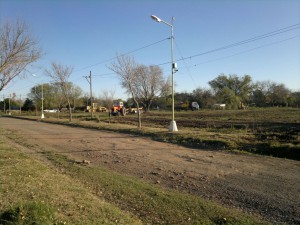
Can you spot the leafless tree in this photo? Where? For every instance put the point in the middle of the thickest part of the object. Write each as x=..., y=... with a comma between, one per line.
x=127, y=70
x=149, y=83
x=18, y=49
x=107, y=98
x=61, y=74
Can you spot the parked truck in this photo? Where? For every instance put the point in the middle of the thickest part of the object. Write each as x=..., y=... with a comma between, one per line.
x=96, y=108
x=187, y=106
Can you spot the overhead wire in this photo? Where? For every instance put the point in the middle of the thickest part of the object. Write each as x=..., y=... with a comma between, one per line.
x=185, y=64
x=249, y=40
x=259, y=37
x=127, y=53
x=245, y=51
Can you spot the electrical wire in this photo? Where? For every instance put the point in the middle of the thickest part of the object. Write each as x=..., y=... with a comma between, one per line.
x=127, y=53
x=259, y=37
x=185, y=64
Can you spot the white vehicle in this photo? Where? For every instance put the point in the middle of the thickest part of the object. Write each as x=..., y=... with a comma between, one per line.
x=51, y=110
x=195, y=106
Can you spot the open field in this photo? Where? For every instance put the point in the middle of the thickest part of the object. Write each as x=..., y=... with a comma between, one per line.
x=268, y=131
x=158, y=182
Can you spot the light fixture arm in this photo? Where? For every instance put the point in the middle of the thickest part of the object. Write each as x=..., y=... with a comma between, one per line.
x=160, y=20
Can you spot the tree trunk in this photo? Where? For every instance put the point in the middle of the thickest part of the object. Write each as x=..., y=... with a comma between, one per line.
x=139, y=113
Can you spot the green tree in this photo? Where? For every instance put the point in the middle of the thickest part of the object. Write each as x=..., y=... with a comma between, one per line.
x=204, y=97
x=232, y=90
x=279, y=94
x=294, y=99
x=28, y=105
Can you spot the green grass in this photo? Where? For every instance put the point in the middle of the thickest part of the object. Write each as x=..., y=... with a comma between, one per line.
x=151, y=203
x=29, y=213
x=33, y=193
x=65, y=192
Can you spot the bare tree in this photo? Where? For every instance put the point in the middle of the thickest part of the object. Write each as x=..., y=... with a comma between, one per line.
x=61, y=74
x=127, y=70
x=107, y=100
x=149, y=84
x=108, y=97
x=18, y=49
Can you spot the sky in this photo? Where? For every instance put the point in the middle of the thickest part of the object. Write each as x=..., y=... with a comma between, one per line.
x=211, y=37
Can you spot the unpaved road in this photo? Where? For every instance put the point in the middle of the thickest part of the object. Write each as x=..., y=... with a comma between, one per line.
x=256, y=184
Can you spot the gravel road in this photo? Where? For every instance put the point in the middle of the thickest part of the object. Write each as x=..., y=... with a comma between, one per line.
x=262, y=185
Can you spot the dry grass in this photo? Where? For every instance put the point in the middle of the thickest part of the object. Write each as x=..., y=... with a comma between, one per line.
x=25, y=180
x=70, y=193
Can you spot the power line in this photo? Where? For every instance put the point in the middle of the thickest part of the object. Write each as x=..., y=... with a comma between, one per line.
x=270, y=34
x=266, y=35
x=127, y=53
x=248, y=50
x=185, y=64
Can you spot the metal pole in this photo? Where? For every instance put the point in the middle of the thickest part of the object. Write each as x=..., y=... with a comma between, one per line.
x=20, y=104
x=74, y=99
x=4, y=104
x=91, y=95
x=172, y=61
x=173, y=126
x=35, y=100
x=42, y=116
x=9, y=113
x=91, y=92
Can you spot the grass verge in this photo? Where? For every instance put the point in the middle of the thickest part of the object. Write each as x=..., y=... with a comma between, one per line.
x=33, y=193
x=72, y=193
x=151, y=203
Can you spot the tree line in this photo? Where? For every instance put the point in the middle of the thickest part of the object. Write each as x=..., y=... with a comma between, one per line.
x=240, y=92
x=231, y=90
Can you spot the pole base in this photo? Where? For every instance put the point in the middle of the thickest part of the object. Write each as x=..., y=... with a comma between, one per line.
x=42, y=116
x=173, y=126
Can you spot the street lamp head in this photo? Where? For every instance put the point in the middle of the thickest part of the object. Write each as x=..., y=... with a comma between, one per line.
x=156, y=18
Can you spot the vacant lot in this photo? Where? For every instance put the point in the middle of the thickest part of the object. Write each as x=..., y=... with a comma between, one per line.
x=257, y=184
x=268, y=131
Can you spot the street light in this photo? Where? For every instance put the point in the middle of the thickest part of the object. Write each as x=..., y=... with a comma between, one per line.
x=173, y=126
x=42, y=116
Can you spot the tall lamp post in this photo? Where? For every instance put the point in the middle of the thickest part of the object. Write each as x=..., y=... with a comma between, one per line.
x=173, y=126
x=42, y=115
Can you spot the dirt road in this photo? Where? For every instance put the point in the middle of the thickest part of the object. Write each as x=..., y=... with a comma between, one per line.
x=256, y=184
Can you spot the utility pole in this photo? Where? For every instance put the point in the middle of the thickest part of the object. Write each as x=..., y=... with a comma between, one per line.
x=9, y=113
x=20, y=104
x=4, y=104
x=35, y=102
x=74, y=93
x=89, y=80
x=42, y=116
